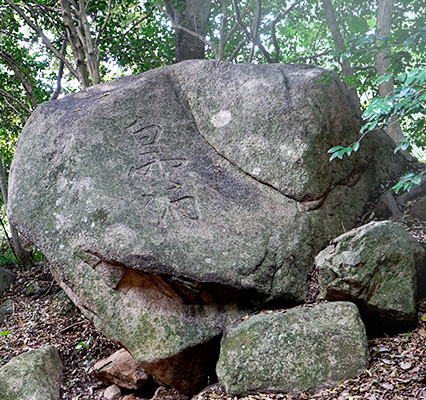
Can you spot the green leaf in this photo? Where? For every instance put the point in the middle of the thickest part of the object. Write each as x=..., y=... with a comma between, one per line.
x=356, y=146
x=402, y=146
x=5, y=333
x=345, y=55
x=383, y=78
x=334, y=156
x=334, y=149
x=410, y=40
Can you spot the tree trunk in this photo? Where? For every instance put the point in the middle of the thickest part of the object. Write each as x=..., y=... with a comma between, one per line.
x=383, y=28
x=91, y=53
x=348, y=72
x=193, y=15
x=76, y=46
x=19, y=251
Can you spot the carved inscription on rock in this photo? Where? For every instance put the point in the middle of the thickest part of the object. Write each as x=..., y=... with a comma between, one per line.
x=157, y=177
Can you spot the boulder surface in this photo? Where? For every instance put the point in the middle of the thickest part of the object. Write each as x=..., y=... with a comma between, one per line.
x=295, y=350
x=35, y=375
x=376, y=266
x=172, y=202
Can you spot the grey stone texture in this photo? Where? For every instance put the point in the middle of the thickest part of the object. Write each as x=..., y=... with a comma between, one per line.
x=35, y=375
x=295, y=350
x=6, y=308
x=172, y=202
x=6, y=279
x=376, y=266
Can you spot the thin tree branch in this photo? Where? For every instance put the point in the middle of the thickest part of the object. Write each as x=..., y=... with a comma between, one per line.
x=19, y=72
x=73, y=36
x=324, y=53
x=134, y=25
x=224, y=22
x=43, y=37
x=6, y=94
x=104, y=25
x=273, y=28
x=249, y=35
x=57, y=91
x=255, y=28
x=9, y=240
x=237, y=50
x=189, y=31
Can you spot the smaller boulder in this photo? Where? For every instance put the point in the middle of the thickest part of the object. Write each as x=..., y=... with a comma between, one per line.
x=122, y=369
x=376, y=267
x=293, y=350
x=6, y=279
x=35, y=375
x=112, y=392
x=419, y=209
x=6, y=309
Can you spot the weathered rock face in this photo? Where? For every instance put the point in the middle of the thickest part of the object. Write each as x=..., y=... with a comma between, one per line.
x=376, y=267
x=35, y=375
x=300, y=349
x=172, y=202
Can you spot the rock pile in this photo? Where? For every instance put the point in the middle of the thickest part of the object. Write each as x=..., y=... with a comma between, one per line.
x=173, y=203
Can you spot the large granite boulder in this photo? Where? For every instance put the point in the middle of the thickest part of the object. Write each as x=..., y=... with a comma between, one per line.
x=375, y=266
x=172, y=202
x=34, y=375
x=299, y=349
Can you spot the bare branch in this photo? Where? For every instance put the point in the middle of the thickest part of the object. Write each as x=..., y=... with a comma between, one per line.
x=273, y=28
x=73, y=36
x=43, y=37
x=57, y=91
x=224, y=22
x=104, y=25
x=20, y=73
x=13, y=98
x=132, y=26
x=297, y=60
x=237, y=50
x=234, y=28
x=255, y=28
x=92, y=57
x=189, y=31
x=249, y=35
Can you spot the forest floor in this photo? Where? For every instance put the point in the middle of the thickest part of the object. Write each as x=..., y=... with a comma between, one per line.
x=397, y=369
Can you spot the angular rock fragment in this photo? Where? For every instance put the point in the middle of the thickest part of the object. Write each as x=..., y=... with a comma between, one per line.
x=376, y=267
x=35, y=375
x=122, y=369
x=293, y=350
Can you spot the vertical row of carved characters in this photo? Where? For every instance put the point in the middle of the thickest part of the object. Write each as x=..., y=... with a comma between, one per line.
x=156, y=176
